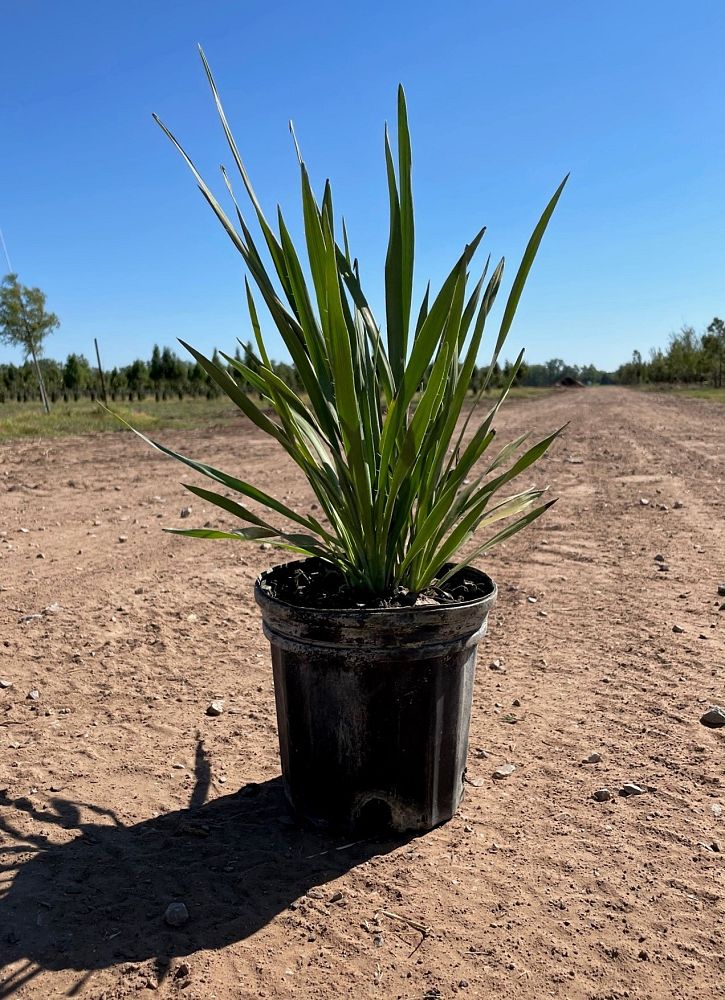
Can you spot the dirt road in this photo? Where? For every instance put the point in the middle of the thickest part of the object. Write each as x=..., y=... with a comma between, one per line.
x=120, y=795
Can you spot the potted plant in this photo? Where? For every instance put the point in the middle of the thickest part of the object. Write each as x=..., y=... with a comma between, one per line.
x=374, y=627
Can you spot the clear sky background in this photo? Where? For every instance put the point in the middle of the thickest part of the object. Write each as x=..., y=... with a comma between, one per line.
x=504, y=99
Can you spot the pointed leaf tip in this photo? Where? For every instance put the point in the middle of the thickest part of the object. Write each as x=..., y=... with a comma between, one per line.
x=291, y=126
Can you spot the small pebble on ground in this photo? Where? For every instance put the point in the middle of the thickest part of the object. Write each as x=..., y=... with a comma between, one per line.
x=714, y=718
x=629, y=788
x=504, y=771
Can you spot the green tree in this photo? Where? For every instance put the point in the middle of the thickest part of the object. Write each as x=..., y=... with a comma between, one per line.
x=77, y=374
x=173, y=368
x=156, y=367
x=686, y=358
x=25, y=323
x=555, y=369
x=713, y=345
x=197, y=379
x=136, y=375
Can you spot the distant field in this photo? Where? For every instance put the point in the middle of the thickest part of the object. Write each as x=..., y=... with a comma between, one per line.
x=86, y=417
x=694, y=391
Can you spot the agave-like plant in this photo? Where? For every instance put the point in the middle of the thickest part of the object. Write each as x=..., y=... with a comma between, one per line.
x=376, y=429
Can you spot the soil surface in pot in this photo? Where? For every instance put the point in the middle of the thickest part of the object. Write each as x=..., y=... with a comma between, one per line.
x=314, y=583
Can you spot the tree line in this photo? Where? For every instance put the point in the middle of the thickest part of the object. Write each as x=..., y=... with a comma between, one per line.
x=26, y=323
x=688, y=358
x=165, y=376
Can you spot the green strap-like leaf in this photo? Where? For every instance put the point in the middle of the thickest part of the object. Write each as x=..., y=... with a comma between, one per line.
x=473, y=520
x=523, y=272
x=407, y=225
x=272, y=243
x=225, y=382
x=393, y=271
x=502, y=535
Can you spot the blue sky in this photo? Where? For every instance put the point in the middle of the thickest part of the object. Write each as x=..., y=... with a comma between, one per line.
x=504, y=99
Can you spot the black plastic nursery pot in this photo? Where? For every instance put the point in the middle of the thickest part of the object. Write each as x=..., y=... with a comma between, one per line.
x=374, y=706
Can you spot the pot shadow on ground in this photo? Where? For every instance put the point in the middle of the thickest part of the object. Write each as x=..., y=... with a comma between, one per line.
x=99, y=899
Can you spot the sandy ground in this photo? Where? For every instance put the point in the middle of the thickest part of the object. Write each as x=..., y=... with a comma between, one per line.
x=120, y=795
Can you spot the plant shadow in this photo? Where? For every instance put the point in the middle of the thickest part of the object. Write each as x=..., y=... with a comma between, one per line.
x=99, y=899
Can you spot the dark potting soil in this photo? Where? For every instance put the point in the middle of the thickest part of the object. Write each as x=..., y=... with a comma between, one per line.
x=315, y=583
